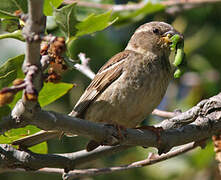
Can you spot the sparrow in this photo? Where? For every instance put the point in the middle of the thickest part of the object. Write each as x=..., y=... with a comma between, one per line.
x=130, y=85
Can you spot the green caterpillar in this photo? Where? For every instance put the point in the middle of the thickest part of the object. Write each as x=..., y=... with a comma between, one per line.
x=179, y=54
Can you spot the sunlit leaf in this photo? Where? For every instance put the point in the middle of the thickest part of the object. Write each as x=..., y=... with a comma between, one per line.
x=15, y=35
x=94, y=23
x=66, y=19
x=15, y=134
x=51, y=92
x=49, y=5
x=41, y=148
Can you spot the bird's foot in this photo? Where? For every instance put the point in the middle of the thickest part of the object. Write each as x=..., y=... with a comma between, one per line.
x=156, y=130
x=120, y=136
x=120, y=129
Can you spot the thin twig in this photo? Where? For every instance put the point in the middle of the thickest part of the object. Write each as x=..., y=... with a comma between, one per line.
x=164, y=114
x=84, y=66
x=13, y=158
x=135, y=6
x=152, y=159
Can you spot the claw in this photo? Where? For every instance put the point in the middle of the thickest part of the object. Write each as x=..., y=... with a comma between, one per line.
x=156, y=130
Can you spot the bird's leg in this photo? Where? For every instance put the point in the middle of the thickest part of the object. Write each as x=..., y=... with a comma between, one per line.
x=156, y=130
x=94, y=144
x=119, y=129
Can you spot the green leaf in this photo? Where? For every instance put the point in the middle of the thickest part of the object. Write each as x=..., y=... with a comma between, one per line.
x=149, y=8
x=7, y=15
x=10, y=25
x=41, y=148
x=16, y=98
x=15, y=134
x=202, y=157
x=15, y=35
x=83, y=12
x=11, y=70
x=66, y=19
x=51, y=92
x=8, y=7
x=94, y=23
x=48, y=6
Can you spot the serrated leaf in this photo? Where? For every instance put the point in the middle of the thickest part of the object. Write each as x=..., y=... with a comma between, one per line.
x=11, y=70
x=49, y=5
x=66, y=19
x=51, y=92
x=94, y=23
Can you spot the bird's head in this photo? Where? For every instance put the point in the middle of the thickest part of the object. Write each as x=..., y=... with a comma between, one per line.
x=153, y=37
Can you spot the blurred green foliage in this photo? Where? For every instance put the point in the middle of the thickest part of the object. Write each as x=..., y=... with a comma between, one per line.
x=202, y=31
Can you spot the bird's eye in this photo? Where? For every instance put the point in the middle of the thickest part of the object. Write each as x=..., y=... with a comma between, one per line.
x=156, y=31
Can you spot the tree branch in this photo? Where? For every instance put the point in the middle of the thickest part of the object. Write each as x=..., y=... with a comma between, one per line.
x=13, y=158
x=32, y=31
x=152, y=159
x=84, y=157
x=34, y=28
x=173, y=132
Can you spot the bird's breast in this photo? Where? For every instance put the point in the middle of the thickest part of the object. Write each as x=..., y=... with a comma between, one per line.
x=134, y=95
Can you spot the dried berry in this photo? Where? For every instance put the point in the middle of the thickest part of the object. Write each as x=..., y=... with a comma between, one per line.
x=17, y=82
x=6, y=98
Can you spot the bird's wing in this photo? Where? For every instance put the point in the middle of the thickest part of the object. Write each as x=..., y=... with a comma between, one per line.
x=105, y=76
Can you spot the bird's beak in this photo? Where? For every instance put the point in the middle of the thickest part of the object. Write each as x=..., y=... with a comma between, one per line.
x=172, y=32
x=167, y=36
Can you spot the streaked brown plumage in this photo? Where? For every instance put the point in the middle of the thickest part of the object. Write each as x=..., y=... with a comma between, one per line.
x=133, y=82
